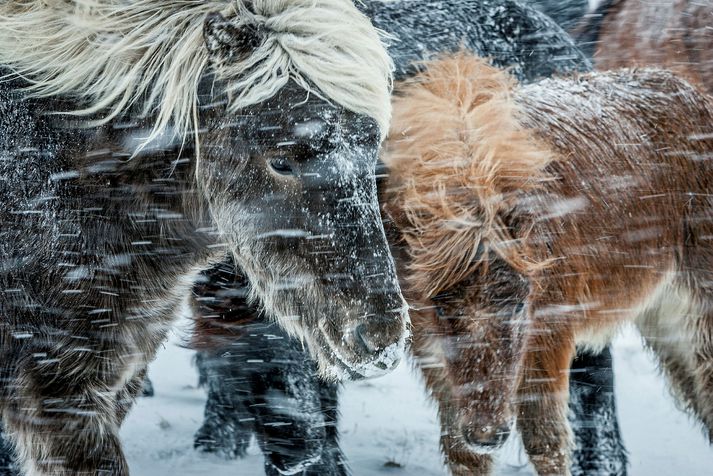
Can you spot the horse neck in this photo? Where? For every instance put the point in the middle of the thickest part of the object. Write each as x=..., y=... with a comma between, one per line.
x=153, y=184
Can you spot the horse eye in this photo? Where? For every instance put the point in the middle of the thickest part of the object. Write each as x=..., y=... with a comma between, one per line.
x=281, y=166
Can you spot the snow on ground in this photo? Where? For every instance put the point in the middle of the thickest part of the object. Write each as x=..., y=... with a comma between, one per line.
x=389, y=427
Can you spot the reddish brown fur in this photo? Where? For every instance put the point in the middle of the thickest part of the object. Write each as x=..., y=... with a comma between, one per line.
x=535, y=217
x=675, y=34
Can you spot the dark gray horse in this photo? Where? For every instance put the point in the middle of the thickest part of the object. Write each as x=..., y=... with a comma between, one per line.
x=260, y=381
x=512, y=35
x=200, y=129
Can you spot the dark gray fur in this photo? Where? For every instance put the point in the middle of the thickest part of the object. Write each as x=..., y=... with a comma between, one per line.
x=260, y=382
x=512, y=34
x=99, y=243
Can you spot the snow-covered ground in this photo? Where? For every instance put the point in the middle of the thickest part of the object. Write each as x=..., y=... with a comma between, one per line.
x=389, y=427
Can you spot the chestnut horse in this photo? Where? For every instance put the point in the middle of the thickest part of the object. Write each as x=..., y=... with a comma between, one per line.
x=531, y=219
x=675, y=34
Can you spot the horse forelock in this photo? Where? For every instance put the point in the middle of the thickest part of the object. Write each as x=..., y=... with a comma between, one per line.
x=458, y=158
x=111, y=55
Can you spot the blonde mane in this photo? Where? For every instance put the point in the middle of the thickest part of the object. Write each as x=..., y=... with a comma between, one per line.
x=113, y=54
x=457, y=157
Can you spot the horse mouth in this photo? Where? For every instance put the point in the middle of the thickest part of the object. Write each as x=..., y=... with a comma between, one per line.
x=342, y=368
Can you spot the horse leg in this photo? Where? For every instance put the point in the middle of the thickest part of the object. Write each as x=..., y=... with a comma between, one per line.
x=427, y=353
x=542, y=401
x=679, y=334
x=228, y=425
x=290, y=425
x=62, y=417
x=694, y=329
x=124, y=400
x=8, y=459
x=686, y=358
x=592, y=409
x=703, y=369
x=333, y=461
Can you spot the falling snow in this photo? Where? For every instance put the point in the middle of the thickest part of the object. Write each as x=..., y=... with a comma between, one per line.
x=201, y=271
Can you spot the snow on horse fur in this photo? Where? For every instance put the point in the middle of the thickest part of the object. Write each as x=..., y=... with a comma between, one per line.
x=114, y=53
x=512, y=35
x=671, y=34
x=567, y=13
x=104, y=228
x=260, y=382
x=533, y=218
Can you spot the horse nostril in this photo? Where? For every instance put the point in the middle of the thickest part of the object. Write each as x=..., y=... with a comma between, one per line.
x=375, y=344
x=366, y=339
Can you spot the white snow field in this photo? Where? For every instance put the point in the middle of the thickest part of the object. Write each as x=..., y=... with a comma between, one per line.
x=389, y=427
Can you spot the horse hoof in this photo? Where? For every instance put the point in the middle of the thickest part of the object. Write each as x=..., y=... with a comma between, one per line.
x=229, y=446
x=147, y=388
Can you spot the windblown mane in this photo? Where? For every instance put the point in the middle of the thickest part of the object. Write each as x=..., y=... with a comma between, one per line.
x=112, y=54
x=457, y=157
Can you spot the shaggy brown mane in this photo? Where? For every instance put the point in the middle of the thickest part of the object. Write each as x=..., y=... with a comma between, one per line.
x=458, y=157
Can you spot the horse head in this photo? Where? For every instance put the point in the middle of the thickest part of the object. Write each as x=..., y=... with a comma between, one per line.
x=482, y=327
x=457, y=175
x=290, y=182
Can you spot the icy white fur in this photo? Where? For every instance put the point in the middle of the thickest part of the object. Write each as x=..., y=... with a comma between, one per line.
x=112, y=54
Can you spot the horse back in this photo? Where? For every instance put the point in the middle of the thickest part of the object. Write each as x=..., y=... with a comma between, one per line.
x=512, y=34
x=675, y=35
x=628, y=203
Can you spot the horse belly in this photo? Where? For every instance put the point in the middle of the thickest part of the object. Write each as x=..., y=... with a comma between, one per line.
x=666, y=314
x=669, y=319
x=595, y=339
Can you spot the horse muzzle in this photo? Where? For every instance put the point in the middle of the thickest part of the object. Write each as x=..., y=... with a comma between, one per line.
x=370, y=345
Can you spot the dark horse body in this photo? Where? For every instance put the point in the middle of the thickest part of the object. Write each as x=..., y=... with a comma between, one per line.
x=521, y=241
x=227, y=327
x=566, y=13
x=102, y=231
x=260, y=381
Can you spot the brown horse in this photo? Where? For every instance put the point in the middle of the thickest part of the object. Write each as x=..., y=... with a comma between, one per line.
x=672, y=34
x=534, y=218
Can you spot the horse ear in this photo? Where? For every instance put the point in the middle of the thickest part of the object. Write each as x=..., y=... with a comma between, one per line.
x=227, y=41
